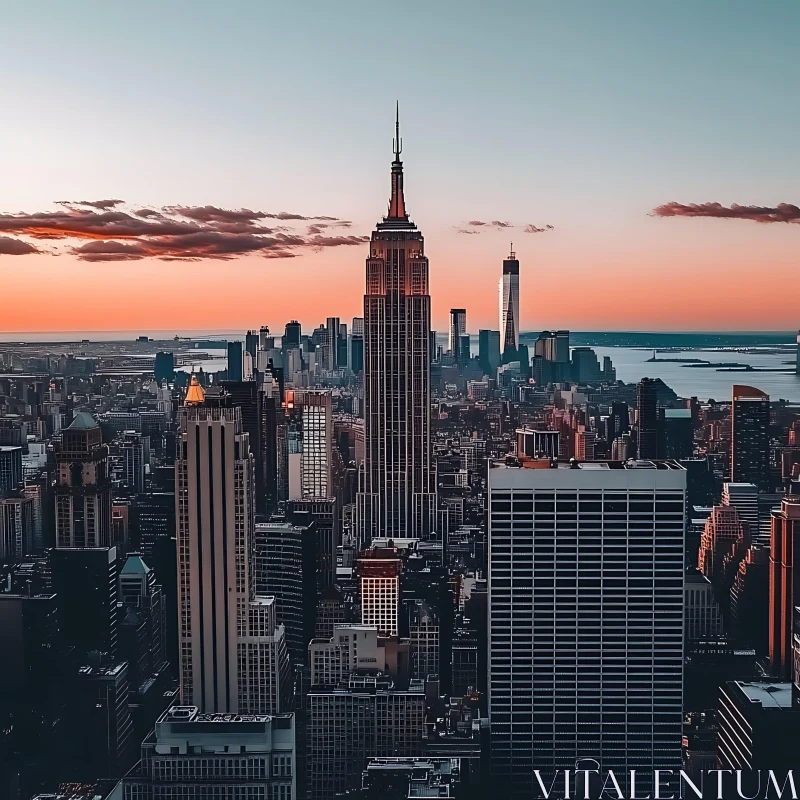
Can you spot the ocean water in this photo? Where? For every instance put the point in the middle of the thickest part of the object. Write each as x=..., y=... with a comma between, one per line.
x=707, y=382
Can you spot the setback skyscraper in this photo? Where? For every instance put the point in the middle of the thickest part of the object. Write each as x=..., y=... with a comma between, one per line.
x=233, y=656
x=509, y=306
x=398, y=492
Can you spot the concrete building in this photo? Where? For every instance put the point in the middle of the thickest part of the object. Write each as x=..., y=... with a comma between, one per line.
x=701, y=611
x=379, y=587
x=83, y=487
x=784, y=585
x=757, y=728
x=10, y=468
x=365, y=717
x=316, y=458
x=192, y=755
x=585, y=647
x=233, y=656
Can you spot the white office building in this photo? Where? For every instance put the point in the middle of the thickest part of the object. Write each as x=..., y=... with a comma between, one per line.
x=585, y=616
x=191, y=755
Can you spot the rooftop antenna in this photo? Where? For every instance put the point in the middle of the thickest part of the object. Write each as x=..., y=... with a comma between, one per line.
x=512, y=256
x=397, y=142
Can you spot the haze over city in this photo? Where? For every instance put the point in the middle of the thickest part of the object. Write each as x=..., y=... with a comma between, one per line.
x=640, y=157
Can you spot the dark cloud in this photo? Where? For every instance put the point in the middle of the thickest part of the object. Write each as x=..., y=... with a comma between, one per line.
x=185, y=233
x=16, y=247
x=476, y=223
x=215, y=214
x=500, y=224
x=102, y=205
x=534, y=229
x=783, y=212
x=337, y=241
x=465, y=230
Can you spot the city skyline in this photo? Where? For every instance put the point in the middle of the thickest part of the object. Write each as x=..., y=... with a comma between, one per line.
x=595, y=156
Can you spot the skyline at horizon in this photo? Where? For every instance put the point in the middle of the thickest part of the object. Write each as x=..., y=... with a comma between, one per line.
x=635, y=135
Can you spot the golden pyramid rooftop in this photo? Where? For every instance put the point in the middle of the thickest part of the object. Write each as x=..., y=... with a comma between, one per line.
x=194, y=394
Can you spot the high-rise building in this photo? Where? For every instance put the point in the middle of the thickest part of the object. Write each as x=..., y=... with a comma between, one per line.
x=757, y=727
x=676, y=433
x=292, y=335
x=364, y=717
x=379, y=571
x=135, y=450
x=722, y=529
x=155, y=513
x=83, y=486
x=509, y=306
x=357, y=345
x=489, y=351
x=233, y=655
x=701, y=611
x=164, y=368
x=323, y=515
x=458, y=328
x=331, y=353
x=784, y=584
x=16, y=528
x=585, y=617
x=647, y=418
x=316, y=458
x=750, y=437
x=251, y=344
x=235, y=361
x=195, y=755
x=744, y=497
x=85, y=582
x=285, y=564
x=398, y=491
x=247, y=396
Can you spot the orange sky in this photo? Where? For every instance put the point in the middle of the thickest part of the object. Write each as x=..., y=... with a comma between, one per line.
x=715, y=275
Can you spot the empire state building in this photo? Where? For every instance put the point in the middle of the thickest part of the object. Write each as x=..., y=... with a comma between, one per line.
x=398, y=491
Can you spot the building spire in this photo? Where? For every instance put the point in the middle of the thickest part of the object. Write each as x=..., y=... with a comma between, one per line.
x=397, y=202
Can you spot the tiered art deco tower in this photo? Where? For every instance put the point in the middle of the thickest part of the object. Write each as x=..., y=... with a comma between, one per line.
x=398, y=490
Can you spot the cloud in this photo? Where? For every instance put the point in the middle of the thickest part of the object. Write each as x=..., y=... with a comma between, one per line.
x=783, y=212
x=98, y=231
x=497, y=224
x=102, y=205
x=16, y=247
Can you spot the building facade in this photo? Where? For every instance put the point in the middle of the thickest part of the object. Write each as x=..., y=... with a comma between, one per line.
x=232, y=652
x=585, y=617
x=398, y=491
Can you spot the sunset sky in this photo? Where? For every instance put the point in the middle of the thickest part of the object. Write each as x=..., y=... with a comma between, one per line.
x=584, y=116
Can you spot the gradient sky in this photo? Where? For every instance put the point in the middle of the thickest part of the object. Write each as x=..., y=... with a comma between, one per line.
x=580, y=115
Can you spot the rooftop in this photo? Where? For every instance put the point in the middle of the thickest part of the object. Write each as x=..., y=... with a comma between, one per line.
x=82, y=421
x=768, y=695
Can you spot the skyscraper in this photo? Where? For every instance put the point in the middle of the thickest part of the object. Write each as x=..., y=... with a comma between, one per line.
x=357, y=344
x=316, y=458
x=235, y=361
x=83, y=486
x=489, y=351
x=458, y=328
x=585, y=617
x=398, y=492
x=164, y=368
x=509, y=305
x=647, y=408
x=291, y=335
x=784, y=584
x=233, y=655
x=750, y=437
